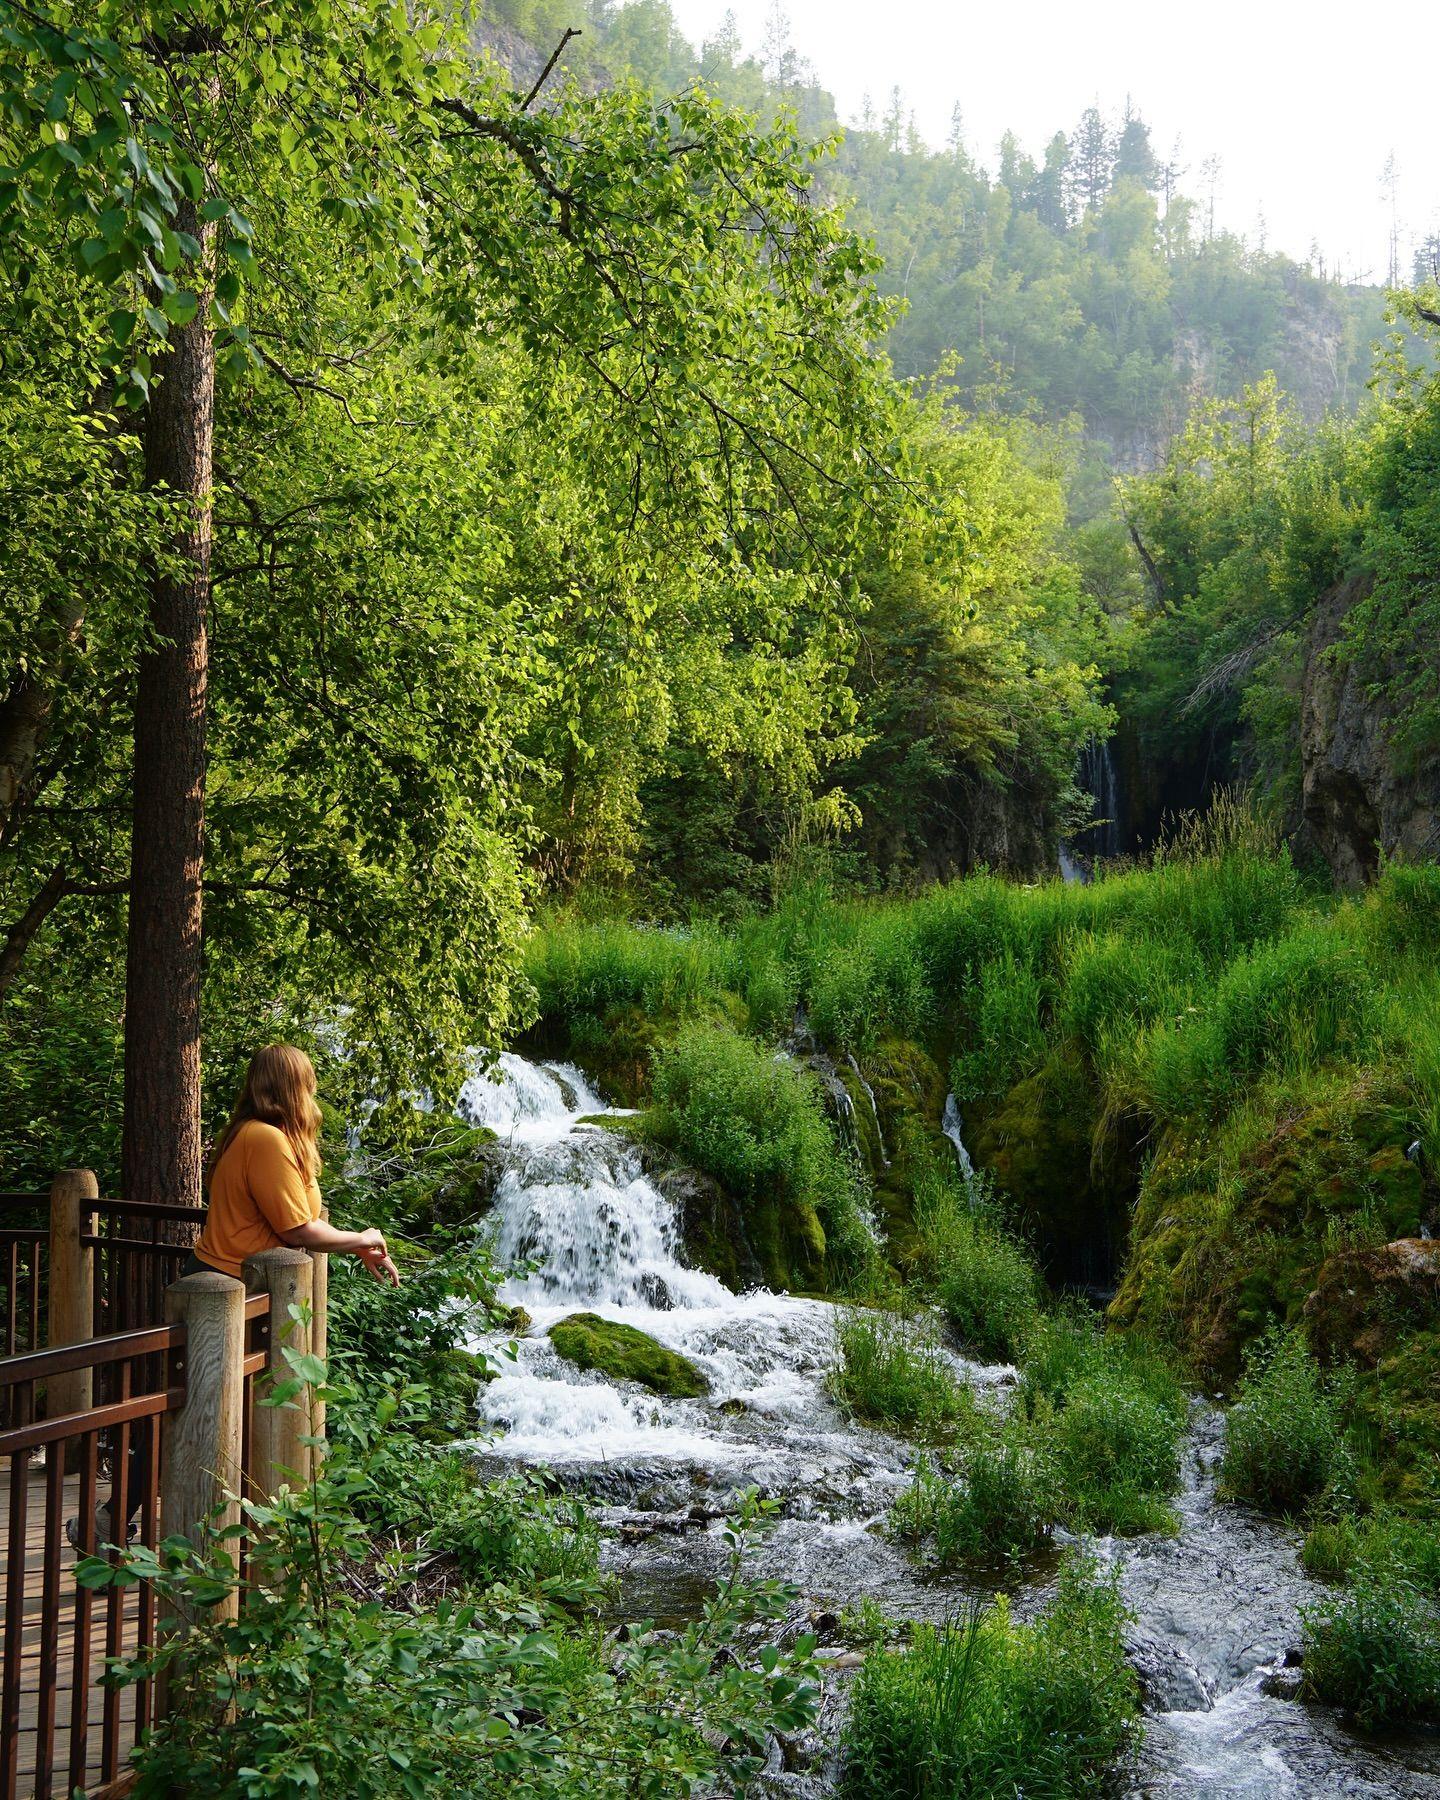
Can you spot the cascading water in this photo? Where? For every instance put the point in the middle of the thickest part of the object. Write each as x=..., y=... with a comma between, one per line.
x=1097, y=776
x=588, y=1229
x=1216, y=1606
x=951, y=1124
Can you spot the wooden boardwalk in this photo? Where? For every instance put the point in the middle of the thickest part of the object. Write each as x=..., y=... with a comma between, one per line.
x=111, y=1622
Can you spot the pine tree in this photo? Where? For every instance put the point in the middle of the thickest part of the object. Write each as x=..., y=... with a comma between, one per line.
x=1135, y=159
x=1049, y=191
x=1093, y=162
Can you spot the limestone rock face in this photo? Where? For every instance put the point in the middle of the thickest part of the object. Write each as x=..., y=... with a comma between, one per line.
x=1358, y=799
x=1364, y=1300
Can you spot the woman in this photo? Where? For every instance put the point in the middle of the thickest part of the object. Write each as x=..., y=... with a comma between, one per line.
x=263, y=1192
x=263, y=1189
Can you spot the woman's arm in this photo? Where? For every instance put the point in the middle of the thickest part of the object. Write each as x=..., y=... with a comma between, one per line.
x=369, y=1246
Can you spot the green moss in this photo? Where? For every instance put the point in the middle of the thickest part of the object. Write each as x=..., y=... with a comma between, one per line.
x=1038, y=1145
x=1232, y=1227
x=909, y=1091
x=626, y=1354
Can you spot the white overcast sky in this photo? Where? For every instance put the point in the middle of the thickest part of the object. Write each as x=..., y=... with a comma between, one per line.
x=1301, y=103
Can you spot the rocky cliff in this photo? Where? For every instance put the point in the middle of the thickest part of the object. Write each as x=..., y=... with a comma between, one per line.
x=1358, y=799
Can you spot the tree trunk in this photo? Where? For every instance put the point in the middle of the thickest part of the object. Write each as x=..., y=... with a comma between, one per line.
x=161, y=1147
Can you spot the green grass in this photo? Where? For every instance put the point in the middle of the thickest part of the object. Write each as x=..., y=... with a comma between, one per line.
x=756, y=1122
x=981, y=1275
x=1284, y=1437
x=889, y=1371
x=1373, y=1648
x=997, y=1497
x=989, y=1709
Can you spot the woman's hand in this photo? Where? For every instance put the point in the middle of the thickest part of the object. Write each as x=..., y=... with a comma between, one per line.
x=373, y=1252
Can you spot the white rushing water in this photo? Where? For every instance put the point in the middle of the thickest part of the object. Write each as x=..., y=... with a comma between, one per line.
x=575, y=1211
x=583, y=1227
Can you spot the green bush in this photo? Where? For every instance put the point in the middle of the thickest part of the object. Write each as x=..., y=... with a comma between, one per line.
x=756, y=1122
x=1118, y=1451
x=984, y=1279
x=1374, y=1649
x=1283, y=1436
x=1061, y=1348
x=998, y=1496
x=990, y=1709
x=888, y=1372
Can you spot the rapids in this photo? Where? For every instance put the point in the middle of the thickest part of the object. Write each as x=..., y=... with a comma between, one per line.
x=582, y=1227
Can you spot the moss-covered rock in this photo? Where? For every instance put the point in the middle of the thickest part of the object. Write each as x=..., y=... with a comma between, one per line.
x=910, y=1091
x=1231, y=1230
x=1367, y=1301
x=626, y=1354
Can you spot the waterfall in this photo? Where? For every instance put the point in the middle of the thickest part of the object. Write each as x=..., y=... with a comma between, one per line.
x=582, y=1227
x=950, y=1124
x=1099, y=779
x=1097, y=776
x=574, y=1208
x=874, y=1110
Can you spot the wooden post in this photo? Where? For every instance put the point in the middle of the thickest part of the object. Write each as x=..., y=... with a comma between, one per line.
x=201, y=1470
x=277, y=1454
x=320, y=1330
x=70, y=1280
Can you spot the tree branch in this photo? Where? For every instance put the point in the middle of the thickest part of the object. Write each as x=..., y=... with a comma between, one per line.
x=571, y=31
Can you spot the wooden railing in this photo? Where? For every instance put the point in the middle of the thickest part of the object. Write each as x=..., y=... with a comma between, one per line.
x=156, y=1426
x=110, y=1262
x=58, y=1470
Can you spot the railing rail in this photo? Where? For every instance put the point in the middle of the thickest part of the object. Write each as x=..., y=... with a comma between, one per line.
x=139, y=1248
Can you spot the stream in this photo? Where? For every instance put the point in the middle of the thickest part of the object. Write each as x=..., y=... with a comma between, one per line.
x=1216, y=1606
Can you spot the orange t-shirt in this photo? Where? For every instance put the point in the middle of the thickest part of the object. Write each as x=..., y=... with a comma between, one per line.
x=257, y=1191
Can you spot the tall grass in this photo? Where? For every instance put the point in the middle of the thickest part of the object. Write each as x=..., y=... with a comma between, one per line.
x=988, y=1708
x=1284, y=1436
x=983, y=1278
x=890, y=1371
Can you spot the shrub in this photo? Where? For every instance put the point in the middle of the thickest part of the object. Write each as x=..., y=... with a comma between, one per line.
x=1283, y=1436
x=991, y=1708
x=889, y=1373
x=1118, y=1451
x=756, y=1122
x=1374, y=1649
x=985, y=1281
x=998, y=1497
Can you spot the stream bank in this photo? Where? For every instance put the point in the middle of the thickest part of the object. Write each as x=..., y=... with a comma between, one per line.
x=1216, y=1606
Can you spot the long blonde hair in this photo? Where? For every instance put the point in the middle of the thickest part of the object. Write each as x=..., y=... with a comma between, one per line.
x=280, y=1090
